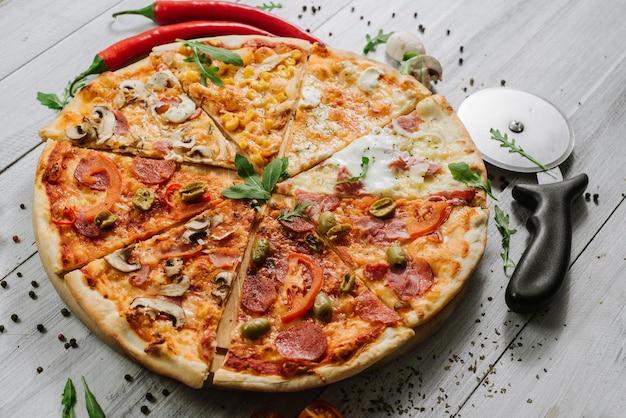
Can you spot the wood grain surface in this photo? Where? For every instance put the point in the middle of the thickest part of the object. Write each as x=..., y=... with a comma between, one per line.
x=484, y=360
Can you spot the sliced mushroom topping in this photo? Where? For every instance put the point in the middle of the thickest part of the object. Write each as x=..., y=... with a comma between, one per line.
x=135, y=90
x=199, y=224
x=185, y=143
x=200, y=151
x=119, y=260
x=216, y=219
x=178, y=287
x=82, y=132
x=181, y=112
x=157, y=307
x=173, y=266
x=224, y=281
x=162, y=80
x=105, y=121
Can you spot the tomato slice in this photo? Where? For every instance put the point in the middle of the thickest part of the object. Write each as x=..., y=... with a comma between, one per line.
x=301, y=298
x=320, y=409
x=105, y=165
x=428, y=216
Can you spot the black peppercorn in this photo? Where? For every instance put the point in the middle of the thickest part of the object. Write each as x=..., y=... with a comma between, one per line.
x=165, y=392
x=15, y=318
x=32, y=295
x=41, y=328
x=150, y=397
x=128, y=378
x=3, y=283
x=39, y=369
x=65, y=312
x=145, y=410
x=33, y=283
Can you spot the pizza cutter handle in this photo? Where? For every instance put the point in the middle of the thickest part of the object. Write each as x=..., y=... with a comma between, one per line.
x=542, y=268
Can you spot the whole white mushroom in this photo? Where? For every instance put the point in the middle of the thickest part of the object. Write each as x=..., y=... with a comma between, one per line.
x=404, y=42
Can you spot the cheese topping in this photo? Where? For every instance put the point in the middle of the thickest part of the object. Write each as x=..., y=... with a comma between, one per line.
x=368, y=80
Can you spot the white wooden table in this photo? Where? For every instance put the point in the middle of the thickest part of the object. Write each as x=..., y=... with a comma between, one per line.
x=569, y=360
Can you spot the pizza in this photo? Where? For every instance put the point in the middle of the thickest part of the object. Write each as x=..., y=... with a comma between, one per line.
x=275, y=222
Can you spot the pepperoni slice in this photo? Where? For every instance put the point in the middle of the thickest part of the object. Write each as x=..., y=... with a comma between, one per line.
x=370, y=308
x=150, y=171
x=305, y=341
x=82, y=174
x=413, y=280
x=86, y=228
x=258, y=293
x=296, y=224
x=376, y=271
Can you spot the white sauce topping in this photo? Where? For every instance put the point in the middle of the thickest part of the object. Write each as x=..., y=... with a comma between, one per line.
x=368, y=81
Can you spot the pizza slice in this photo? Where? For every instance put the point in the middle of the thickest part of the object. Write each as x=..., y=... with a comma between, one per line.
x=161, y=300
x=88, y=203
x=415, y=255
x=255, y=103
x=304, y=319
x=343, y=97
x=142, y=110
x=409, y=158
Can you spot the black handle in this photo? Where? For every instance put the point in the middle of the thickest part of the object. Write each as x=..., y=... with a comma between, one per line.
x=542, y=268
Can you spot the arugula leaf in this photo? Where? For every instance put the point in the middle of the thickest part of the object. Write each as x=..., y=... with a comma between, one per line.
x=54, y=102
x=371, y=44
x=202, y=54
x=256, y=187
x=269, y=7
x=502, y=223
x=364, y=167
x=297, y=211
x=462, y=172
x=69, y=399
x=93, y=407
x=513, y=148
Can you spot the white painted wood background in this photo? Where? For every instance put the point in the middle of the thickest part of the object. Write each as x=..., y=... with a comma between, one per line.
x=566, y=361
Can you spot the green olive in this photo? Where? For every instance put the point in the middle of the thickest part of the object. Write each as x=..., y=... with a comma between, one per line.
x=144, y=199
x=323, y=307
x=314, y=242
x=382, y=207
x=326, y=221
x=396, y=256
x=347, y=284
x=260, y=250
x=105, y=219
x=192, y=191
x=338, y=231
x=255, y=328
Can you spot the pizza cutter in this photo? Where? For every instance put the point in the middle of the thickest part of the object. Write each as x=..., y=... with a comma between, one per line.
x=544, y=133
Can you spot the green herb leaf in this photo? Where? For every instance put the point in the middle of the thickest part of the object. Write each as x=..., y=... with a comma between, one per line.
x=514, y=148
x=69, y=399
x=256, y=187
x=405, y=68
x=269, y=7
x=54, y=102
x=502, y=223
x=202, y=54
x=93, y=407
x=462, y=172
x=371, y=44
x=273, y=173
x=364, y=167
x=297, y=211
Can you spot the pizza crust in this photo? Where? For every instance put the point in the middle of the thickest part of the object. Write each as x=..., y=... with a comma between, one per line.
x=114, y=327
x=387, y=342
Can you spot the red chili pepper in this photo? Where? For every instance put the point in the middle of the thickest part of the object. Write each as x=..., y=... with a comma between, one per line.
x=68, y=217
x=123, y=52
x=169, y=191
x=170, y=11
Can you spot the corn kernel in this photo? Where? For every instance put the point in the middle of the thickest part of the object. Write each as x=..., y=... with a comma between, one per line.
x=260, y=85
x=265, y=75
x=248, y=72
x=228, y=80
x=251, y=114
x=296, y=54
x=291, y=70
x=243, y=143
x=281, y=67
x=258, y=159
x=231, y=124
x=269, y=124
x=252, y=94
x=281, y=97
x=289, y=61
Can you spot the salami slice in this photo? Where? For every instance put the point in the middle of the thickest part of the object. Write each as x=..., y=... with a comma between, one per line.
x=305, y=341
x=258, y=293
x=150, y=171
x=96, y=181
x=370, y=308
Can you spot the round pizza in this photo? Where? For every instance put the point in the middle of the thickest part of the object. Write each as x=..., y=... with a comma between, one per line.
x=258, y=213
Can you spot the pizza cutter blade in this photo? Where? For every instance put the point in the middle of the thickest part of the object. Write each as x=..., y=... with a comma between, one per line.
x=545, y=134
